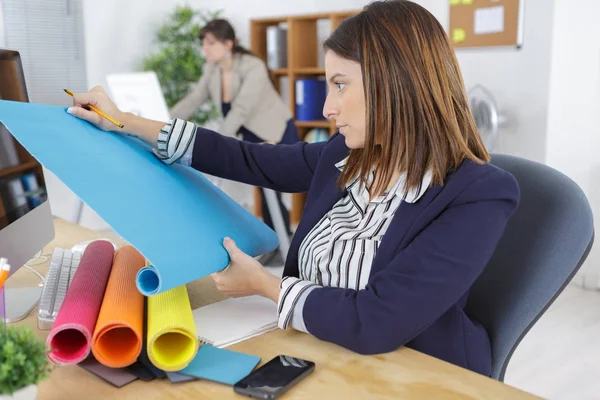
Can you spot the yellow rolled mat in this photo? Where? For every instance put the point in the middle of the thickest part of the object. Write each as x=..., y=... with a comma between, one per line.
x=172, y=339
x=117, y=340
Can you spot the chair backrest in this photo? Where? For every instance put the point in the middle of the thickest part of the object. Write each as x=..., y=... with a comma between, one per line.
x=545, y=243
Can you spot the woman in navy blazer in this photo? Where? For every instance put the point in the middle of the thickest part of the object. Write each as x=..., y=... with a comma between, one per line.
x=408, y=156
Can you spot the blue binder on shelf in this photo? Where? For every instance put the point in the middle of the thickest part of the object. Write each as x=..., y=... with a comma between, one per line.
x=310, y=99
x=32, y=190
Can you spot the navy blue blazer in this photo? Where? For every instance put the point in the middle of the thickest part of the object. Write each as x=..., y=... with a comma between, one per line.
x=428, y=259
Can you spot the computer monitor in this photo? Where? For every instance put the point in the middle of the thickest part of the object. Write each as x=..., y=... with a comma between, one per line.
x=138, y=93
x=25, y=219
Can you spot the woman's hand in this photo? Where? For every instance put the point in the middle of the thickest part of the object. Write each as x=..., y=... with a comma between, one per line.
x=96, y=97
x=145, y=129
x=245, y=276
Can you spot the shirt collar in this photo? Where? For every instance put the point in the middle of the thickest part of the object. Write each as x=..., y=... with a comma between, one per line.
x=397, y=190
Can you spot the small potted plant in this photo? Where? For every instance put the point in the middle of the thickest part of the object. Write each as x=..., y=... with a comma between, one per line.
x=23, y=363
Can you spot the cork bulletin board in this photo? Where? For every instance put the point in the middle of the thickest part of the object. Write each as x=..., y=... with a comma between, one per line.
x=486, y=23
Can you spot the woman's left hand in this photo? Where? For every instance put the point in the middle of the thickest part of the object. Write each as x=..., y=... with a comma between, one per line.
x=245, y=276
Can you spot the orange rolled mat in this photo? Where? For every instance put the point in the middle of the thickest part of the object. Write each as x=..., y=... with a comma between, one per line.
x=117, y=340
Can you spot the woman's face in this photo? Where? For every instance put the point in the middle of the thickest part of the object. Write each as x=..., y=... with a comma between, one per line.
x=215, y=50
x=346, y=98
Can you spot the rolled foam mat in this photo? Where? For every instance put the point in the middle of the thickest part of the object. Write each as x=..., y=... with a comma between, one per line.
x=172, y=339
x=117, y=340
x=71, y=334
x=167, y=212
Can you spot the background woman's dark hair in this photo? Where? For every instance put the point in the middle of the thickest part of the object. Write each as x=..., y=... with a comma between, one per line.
x=222, y=30
x=417, y=113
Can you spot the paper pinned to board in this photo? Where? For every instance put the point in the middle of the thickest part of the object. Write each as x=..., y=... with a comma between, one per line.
x=172, y=214
x=489, y=20
x=458, y=35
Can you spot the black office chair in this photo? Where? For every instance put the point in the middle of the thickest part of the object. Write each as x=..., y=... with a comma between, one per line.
x=545, y=243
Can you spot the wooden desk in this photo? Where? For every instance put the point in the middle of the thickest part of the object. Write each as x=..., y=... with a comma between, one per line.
x=403, y=374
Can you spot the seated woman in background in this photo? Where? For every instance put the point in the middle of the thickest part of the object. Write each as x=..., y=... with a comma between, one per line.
x=403, y=211
x=239, y=84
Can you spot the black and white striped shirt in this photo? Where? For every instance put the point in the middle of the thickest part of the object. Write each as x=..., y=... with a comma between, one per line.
x=341, y=247
x=175, y=142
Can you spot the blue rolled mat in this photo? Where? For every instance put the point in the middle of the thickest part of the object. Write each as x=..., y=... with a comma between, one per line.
x=172, y=214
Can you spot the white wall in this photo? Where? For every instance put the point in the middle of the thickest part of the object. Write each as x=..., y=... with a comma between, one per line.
x=573, y=138
x=119, y=33
x=2, y=27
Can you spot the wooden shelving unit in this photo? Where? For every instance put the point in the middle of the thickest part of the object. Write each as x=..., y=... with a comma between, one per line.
x=10, y=89
x=280, y=72
x=18, y=169
x=302, y=61
x=310, y=71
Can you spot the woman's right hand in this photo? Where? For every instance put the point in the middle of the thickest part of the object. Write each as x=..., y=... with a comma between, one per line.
x=96, y=97
x=143, y=128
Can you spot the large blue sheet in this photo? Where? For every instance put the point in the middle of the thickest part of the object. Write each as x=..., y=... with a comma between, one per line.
x=172, y=214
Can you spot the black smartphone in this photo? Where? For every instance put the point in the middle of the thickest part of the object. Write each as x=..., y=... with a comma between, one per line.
x=274, y=378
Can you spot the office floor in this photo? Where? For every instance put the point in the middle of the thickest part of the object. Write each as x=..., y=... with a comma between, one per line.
x=560, y=357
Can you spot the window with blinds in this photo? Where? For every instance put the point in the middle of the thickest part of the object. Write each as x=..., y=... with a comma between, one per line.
x=49, y=36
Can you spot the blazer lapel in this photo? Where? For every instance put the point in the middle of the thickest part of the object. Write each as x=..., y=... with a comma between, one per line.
x=320, y=200
x=399, y=232
x=312, y=215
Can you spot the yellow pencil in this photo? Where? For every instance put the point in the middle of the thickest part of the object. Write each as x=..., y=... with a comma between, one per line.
x=98, y=111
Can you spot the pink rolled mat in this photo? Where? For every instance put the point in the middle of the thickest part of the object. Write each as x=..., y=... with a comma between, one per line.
x=71, y=334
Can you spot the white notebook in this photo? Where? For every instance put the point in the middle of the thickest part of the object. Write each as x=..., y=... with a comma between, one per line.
x=234, y=320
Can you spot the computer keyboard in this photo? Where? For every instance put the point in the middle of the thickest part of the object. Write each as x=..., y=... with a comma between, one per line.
x=63, y=265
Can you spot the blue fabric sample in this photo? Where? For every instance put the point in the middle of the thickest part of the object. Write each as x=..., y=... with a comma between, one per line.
x=220, y=365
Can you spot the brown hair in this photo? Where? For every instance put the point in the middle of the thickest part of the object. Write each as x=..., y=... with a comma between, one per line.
x=222, y=30
x=417, y=113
